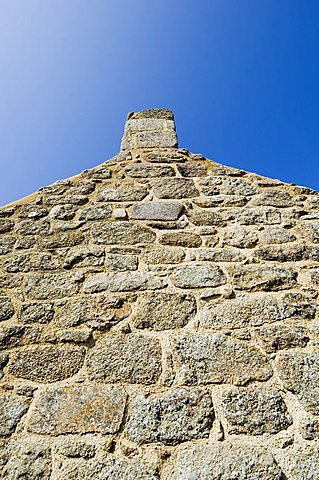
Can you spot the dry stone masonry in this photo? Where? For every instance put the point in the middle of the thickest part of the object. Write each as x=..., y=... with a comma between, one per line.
x=159, y=321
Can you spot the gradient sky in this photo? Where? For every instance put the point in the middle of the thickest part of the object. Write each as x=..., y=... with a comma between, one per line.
x=240, y=75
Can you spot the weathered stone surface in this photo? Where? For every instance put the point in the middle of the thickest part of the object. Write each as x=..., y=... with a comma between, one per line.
x=166, y=255
x=96, y=212
x=241, y=237
x=253, y=278
x=255, y=411
x=10, y=281
x=32, y=211
x=63, y=212
x=204, y=217
x=165, y=210
x=285, y=253
x=275, y=198
x=26, y=262
x=25, y=459
x=299, y=372
x=310, y=230
x=123, y=193
x=97, y=311
x=6, y=244
x=197, y=276
x=280, y=337
x=6, y=308
x=61, y=239
x=18, y=335
x=12, y=407
x=255, y=310
x=301, y=463
x=223, y=461
x=149, y=133
x=192, y=169
x=125, y=358
x=221, y=201
x=91, y=256
x=309, y=427
x=237, y=186
x=277, y=235
x=149, y=171
x=55, y=285
x=36, y=313
x=219, y=255
x=122, y=263
x=164, y=311
x=99, y=173
x=66, y=199
x=123, y=282
x=227, y=186
x=32, y=227
x=77, y=409
x=181, y=239
x=174, y=188
x=205, y=359
x=46, y=364
x=81, y=187
x=5, y=225
x=114, y=468
x=122, y=233
x=173, y=417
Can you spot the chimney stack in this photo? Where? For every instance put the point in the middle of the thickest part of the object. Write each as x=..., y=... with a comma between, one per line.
x=150, y=128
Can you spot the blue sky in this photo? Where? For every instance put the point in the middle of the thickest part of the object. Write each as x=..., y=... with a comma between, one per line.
x=240, y=75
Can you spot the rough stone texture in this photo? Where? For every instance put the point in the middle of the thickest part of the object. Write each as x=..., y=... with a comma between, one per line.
x=302, y=463
x=170, y=418
x=125, y=358
x=226, y=461
x=164, y=311
x=25, y=459
x=204, y=359
x=43, y=286
x=100, y=312
x=113, y=468
x=174, y=188
x=299, y=372
x=157, y=211
x=77, y=409
x=46, y=364
x=123, y=193
x=139, y=294
x=255, y=411
x=255, y=310
x=6, y=308
x=121, y=233
x=181, y=239
x=253, y=278
x=12, y=407
x=197, y=276
x=121, y=282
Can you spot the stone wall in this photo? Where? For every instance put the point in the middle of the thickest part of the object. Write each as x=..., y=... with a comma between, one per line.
x=158, y=321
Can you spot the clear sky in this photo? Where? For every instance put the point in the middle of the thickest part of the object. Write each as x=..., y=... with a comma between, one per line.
x=240, y=75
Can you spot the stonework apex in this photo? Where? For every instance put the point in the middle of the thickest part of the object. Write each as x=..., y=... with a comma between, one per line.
x=150, y=128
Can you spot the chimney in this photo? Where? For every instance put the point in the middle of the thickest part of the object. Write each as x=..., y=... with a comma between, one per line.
x=150, y=128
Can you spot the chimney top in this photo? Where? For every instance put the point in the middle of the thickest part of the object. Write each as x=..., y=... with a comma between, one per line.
x=150, y=128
